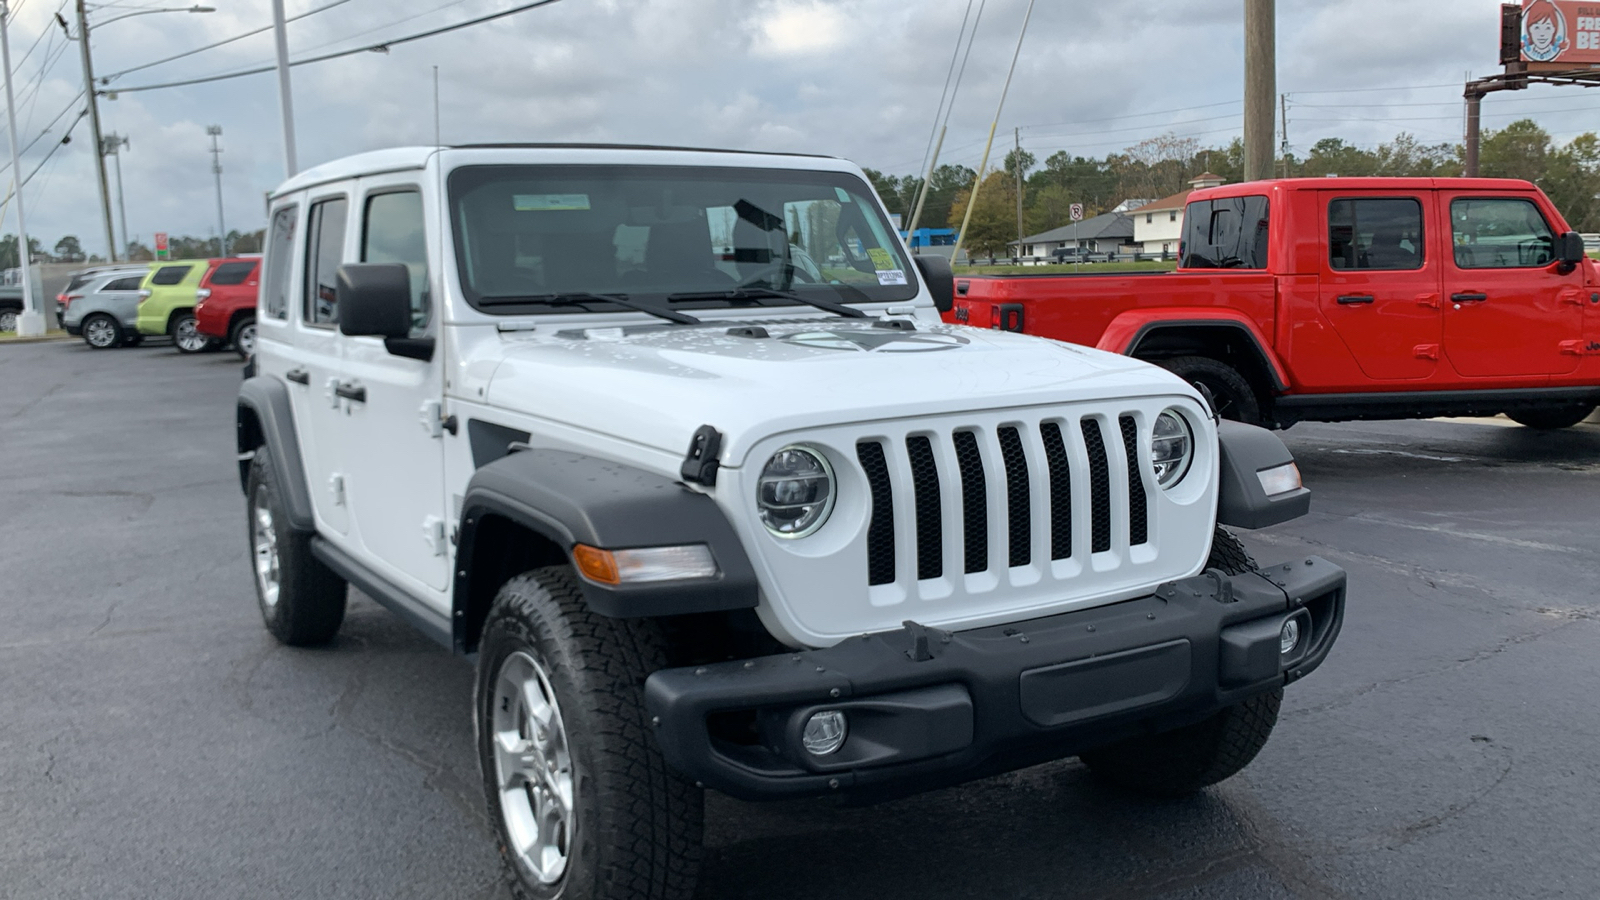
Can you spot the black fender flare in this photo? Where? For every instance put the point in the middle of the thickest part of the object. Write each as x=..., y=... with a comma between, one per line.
x=568, y=499
x=1242, y=502
x=1269, y=361
x=265, y=417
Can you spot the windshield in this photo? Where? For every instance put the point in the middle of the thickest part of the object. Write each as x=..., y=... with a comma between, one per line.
x=529, y=236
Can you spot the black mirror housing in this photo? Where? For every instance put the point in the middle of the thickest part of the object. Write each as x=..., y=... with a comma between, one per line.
x=375, y=300
x=1569, y=248
x=940, y=279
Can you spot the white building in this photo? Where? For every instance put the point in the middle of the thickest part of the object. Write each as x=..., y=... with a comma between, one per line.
x=1158, y=226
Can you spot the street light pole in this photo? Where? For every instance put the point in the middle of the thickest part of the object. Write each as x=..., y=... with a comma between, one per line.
x=31, y=322
x=94, y=128
x=285, y=96
x=114, y=146
x=216, y=169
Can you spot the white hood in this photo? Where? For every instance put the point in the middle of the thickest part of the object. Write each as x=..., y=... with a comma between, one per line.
x=654, y=385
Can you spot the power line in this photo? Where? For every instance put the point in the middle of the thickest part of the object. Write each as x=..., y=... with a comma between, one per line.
x=1410, y=87
x=106, y=79
x=381, y=45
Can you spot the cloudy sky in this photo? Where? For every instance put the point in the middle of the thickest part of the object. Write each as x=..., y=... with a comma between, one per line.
x=853, y=78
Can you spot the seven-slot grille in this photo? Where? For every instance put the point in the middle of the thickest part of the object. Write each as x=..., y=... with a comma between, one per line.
x=971, y=466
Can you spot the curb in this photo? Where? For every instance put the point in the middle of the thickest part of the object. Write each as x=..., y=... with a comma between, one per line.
x=42, y=339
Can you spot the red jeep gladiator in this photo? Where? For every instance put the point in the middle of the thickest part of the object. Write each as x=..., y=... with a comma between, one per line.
x=1330, y=299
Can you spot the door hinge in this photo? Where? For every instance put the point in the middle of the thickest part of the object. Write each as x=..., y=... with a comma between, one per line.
x=336, y=488
x=330, y=389
x=1431, y=301
x=431, y=415
x=433, y=534
x=1575, y=297
x=1426, y=351
x=1580, y=348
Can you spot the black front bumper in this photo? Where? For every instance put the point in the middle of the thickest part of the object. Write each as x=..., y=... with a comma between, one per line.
x=925, y=708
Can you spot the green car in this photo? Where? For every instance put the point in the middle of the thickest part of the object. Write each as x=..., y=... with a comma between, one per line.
x=166, y=303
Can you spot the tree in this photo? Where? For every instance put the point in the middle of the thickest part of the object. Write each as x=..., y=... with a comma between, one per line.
x=994, y=222
x=138, y=252
x=947, y=182
x=1519, y=150
x=69, y=250
x=248, y=242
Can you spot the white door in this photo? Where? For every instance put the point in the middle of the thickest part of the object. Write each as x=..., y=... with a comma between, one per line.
x=392, y=447
x=314, y=363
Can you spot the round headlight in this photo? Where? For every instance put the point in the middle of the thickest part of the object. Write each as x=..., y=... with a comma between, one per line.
x=795, y=493
x=1171, y=447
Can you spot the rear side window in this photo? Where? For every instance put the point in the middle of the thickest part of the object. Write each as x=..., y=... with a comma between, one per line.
x=280, y=256
x=1500, y=233
x=170, y=275
x=1230, y=233
x=233, y=272
x=1375, y=233
x=324, y=253
x=131, y=283
x=392, y=232
x=78, y=281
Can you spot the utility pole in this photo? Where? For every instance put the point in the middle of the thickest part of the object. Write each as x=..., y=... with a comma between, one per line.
x=285, y=97
x=1017, y=136
x=1283, y=100
x=216, y=169
x=113, y=145
x=94, y=128
x=31, y=322
x=1260, y=83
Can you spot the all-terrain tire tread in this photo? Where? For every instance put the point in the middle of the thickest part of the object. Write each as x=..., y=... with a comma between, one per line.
x=652, y=851
x=311, y=596
x=1229, y=555
x=1197, y=756
x=1247, y=404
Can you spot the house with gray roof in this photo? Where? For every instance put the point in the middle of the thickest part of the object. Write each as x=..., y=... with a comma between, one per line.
x=1108, y=233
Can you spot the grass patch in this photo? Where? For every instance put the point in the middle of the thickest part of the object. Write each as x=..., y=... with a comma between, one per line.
x=1112, y=268
x=10, y=337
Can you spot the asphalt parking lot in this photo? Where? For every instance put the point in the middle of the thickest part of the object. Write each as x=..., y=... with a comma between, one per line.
x=156, y=742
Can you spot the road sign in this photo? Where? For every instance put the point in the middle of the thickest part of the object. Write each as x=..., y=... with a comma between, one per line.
x=161, y=245
x=1077, y=212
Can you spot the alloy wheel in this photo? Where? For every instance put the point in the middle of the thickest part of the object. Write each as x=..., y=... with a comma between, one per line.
x=264, y=541
x=188, y=338
x=100, y=333
x=533, y=767
x=8, y=321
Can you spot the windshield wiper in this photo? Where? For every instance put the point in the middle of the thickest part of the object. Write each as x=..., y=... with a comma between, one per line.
x=748, y=292
x=577, y=298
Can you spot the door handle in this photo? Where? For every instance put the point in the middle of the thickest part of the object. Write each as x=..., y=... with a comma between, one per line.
x=298, y=376
x=1353, y=299
x=1468, y=298
x=349, y=390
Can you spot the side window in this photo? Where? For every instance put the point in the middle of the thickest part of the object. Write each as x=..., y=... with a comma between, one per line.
x=324, y=253
x=280, y=258
x=1500, y=233
x=131, y=283
x=233, y=272
x=1230, y=233
x=168, y=275
x=1376, y=234
x=392, y=232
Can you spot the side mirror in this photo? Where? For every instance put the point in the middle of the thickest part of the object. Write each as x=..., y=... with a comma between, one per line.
x=941, y=281
x=375, y=299
x=1569, y=248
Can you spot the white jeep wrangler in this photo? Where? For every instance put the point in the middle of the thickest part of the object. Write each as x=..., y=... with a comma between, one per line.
x=675, y=444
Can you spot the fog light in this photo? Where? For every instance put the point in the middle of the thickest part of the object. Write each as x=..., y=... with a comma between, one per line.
x=824, y=732
x=1289, y=637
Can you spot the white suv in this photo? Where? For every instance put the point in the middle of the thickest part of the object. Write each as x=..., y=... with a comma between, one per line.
x=675, y=443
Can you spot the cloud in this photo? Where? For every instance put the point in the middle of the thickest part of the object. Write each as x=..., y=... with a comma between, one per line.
x=855, y=78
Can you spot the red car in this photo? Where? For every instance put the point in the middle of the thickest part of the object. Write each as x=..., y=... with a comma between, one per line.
x=225, y=307
x=1327, y=299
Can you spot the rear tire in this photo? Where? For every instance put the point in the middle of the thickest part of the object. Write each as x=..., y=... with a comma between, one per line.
x=1551, y=419
x=102, y=332
x=185, y=336
x=1185, y=760
x=1230, y=393
x=302, y=600
x=243, y=338
x=8, y=320
x=583, y=804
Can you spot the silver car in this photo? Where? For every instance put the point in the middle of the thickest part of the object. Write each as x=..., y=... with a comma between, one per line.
x=102, y=306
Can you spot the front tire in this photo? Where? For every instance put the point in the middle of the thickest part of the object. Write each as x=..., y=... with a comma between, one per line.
x=302, y=601
x=1551, y=419
x=102, y=332
x=1185, y=760
x=1229, y=391
x=185, y=336
x=583, y=803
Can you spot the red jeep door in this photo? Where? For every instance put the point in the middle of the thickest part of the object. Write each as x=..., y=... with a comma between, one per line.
x=1379, y=285
x=1508, y=308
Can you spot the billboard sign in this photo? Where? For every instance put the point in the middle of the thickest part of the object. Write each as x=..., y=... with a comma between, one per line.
x=1561, y=31
x=161, y=245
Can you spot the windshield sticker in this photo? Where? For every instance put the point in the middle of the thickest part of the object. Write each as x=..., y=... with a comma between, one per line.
x=891, y=276
x=844, y=195
x=881, y=260
x=549, y=202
